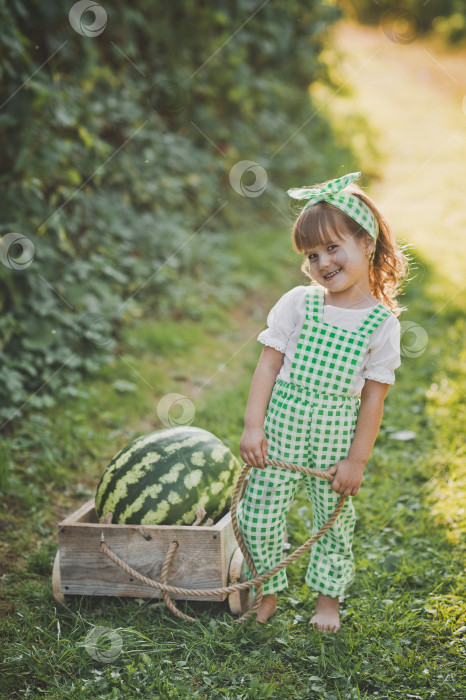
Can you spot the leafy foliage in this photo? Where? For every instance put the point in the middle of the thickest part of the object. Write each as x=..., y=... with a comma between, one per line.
x=118, y=150
x=445, y=17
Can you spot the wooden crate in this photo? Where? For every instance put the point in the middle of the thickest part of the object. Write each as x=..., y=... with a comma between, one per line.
x=207, y=557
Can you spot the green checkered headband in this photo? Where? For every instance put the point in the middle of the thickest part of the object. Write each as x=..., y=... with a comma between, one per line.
x=348, y=203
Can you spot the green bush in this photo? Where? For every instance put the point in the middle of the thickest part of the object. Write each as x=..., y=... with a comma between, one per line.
x=446, y=17
x=452, y=29
x=117, y=152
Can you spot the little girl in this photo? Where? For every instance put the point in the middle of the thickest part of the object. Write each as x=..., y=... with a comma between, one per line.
x=317, y=394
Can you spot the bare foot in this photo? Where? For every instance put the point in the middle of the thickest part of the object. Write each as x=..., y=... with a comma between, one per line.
x=267, y=608
x=326, y=617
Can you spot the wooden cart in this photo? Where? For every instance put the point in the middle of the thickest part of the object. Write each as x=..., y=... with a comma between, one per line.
x=207, y=557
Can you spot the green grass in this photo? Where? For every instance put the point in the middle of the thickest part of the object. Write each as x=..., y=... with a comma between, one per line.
x=402, y=617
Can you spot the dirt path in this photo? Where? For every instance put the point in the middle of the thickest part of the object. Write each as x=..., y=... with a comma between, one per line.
x=414, y=95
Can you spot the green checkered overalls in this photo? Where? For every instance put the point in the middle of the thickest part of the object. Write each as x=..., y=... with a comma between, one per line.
x=310, y=421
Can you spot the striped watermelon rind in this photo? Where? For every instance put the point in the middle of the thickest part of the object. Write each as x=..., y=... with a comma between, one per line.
x=164, y=477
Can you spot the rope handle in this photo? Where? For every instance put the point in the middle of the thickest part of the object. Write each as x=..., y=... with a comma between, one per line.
x=257, y=580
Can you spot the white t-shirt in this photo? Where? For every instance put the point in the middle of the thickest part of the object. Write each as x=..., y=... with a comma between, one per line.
x=285, y=321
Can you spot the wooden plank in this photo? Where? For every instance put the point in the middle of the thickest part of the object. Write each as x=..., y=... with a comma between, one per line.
x=84, y=514
x=86, y=571
x=223, y=522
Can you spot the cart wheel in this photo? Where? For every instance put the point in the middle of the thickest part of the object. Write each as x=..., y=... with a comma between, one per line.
x=56, y=581
x=239, y=601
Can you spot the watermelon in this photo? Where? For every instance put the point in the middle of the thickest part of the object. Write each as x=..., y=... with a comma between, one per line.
x=164, y=477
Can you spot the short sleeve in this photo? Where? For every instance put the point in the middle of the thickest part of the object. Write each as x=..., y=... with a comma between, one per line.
x=384, y=355
x=281, y=321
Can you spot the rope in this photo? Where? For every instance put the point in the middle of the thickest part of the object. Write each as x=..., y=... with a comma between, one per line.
x=163, y=579
x=256, y=580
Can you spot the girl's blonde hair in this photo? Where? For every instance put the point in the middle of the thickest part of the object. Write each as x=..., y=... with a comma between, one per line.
x=390, y=266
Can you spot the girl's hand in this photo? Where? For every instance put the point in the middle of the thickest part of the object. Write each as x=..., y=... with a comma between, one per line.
x=253, y=447
x=348, y=477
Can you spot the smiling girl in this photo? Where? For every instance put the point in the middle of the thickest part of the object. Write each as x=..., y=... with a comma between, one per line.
x=317, y=394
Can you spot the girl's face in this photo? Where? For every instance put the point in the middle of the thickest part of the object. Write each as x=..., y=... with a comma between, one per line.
x=340, y=262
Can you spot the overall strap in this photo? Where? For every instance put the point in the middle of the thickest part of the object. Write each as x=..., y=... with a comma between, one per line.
x=314, y=304
x=373, y=319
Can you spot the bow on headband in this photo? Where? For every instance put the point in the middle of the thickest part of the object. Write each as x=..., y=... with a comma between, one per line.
x=350, y=204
